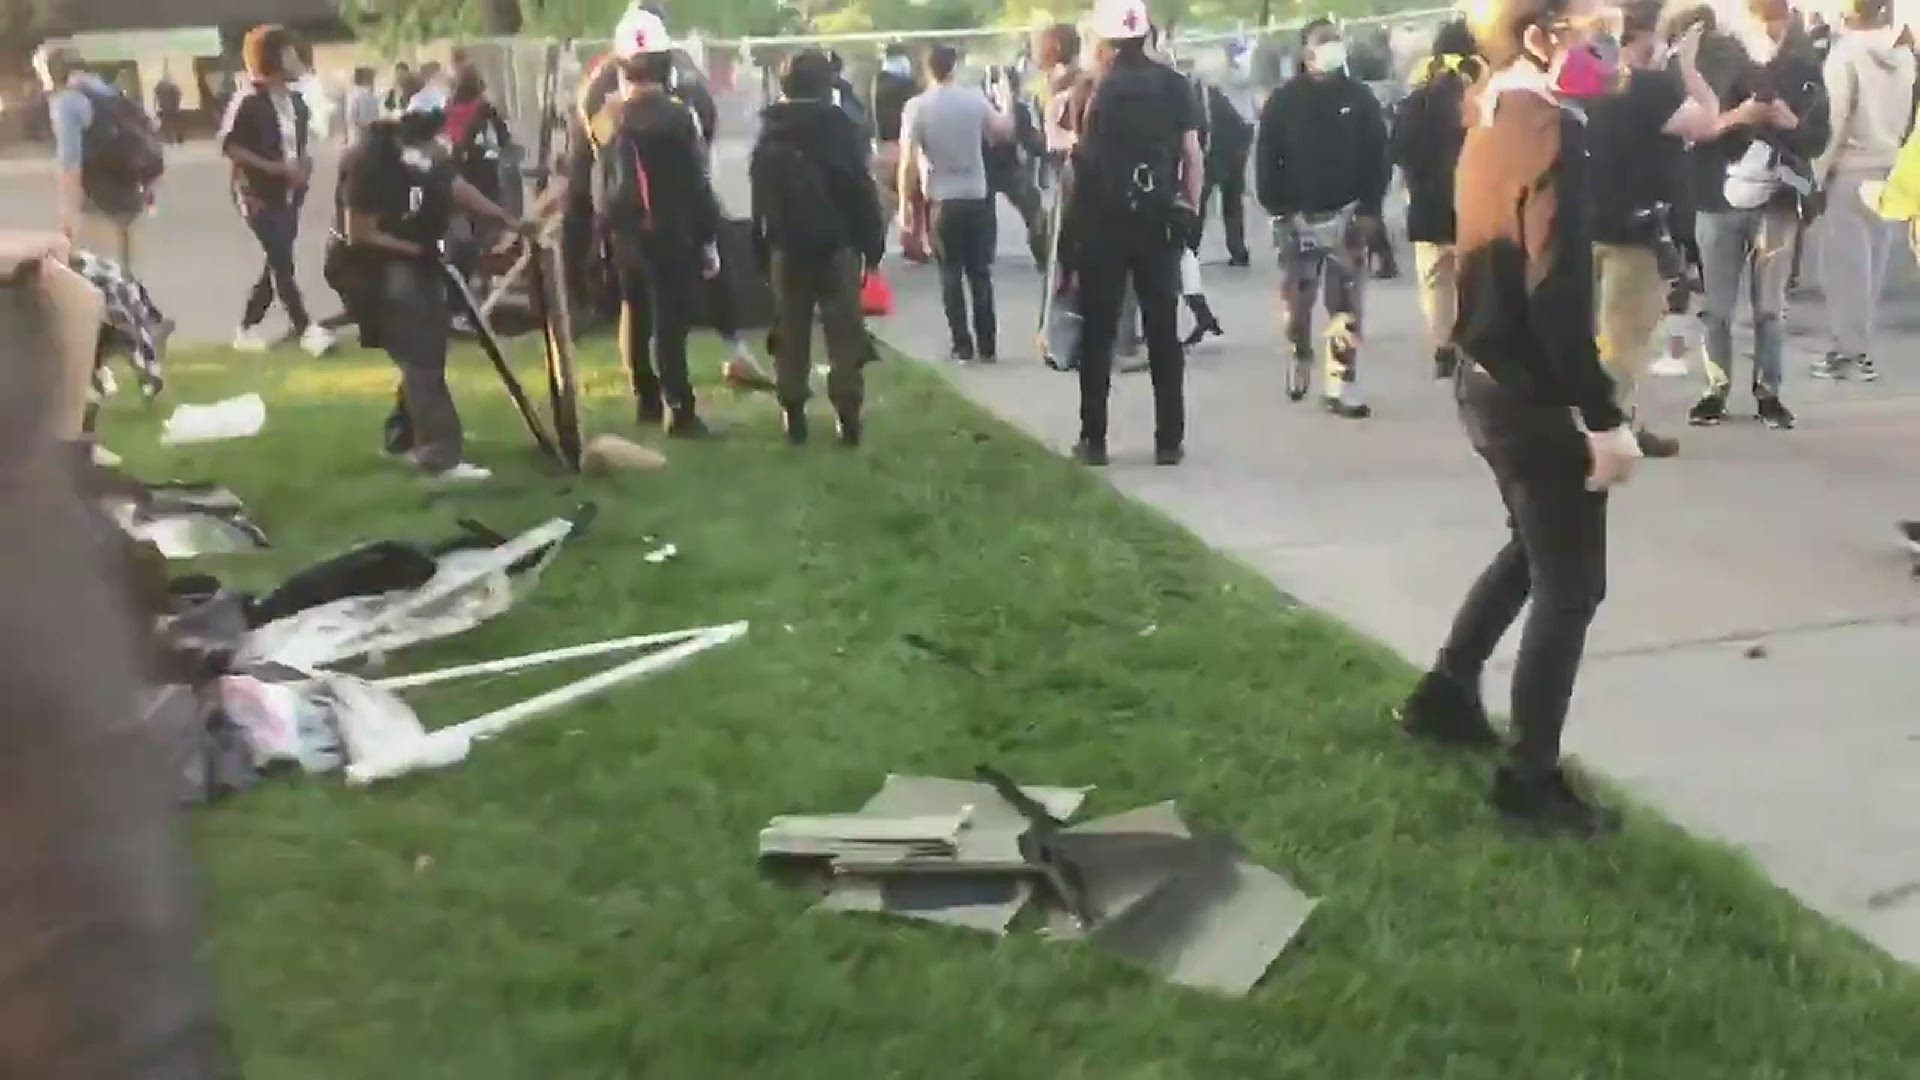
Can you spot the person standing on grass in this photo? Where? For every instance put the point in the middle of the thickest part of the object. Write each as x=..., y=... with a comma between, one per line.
x=817, y=227
x=265, y=136
x=645, y=163
x=1529, y=366
x=1428, y=129
x=398, y=190
x=950, y=127
x=1634, y=131
x=1870, y=85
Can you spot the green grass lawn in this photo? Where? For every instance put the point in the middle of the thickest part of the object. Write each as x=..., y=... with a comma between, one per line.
x=579, y=899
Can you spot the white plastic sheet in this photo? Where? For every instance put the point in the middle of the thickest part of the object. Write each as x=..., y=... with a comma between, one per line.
x=235, y=418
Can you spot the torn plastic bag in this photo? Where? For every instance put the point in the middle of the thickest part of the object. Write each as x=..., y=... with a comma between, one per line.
x=281, y=723
x=183, y=520
x=235, y=418
x=374, y=724
x=468, y=588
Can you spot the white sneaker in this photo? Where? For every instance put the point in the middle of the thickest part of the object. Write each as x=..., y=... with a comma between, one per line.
x=252, y=339
x=1668, y=367
x=318, y=340
x=463, y=473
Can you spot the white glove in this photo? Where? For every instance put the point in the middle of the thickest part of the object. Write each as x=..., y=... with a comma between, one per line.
x=710, y=261
x=1615, y=454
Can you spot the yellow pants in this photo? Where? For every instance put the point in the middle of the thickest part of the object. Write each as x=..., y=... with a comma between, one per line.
x=1436, y=274
x=1629, y=300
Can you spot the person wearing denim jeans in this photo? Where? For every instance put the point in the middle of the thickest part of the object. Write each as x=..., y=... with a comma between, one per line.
x=1771, y=94
x=965, y=232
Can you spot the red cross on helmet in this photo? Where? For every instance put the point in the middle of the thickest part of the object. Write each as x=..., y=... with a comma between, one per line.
x=1118, y=20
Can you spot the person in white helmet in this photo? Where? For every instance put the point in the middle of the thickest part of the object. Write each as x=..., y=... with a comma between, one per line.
x=645, y=162
x=1136, y=177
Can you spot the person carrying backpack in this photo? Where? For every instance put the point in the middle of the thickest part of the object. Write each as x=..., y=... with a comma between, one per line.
x=1134, y=186
x=108, y=153
x=816, y=227
x=644, y=162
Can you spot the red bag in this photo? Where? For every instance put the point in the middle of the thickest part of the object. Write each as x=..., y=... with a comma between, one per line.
x=876, y=296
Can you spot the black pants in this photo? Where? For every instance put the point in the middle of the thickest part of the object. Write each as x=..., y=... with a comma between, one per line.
x=413, y=330
x=1557, y=554
x=965, y=234
x=1150, y=254
x=276, y=227
x=658, y=287
x=1231, y=183
x=1021, y=188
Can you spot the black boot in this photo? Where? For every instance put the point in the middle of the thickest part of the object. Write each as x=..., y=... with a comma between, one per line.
x=848, y=428
x=1444, y=710
x=649, y=412
x=1089, y=452
x=1550, y=804
x=686, y=424
x=794, y=421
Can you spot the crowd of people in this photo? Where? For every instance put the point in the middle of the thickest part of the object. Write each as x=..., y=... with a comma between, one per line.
x=1574, y=175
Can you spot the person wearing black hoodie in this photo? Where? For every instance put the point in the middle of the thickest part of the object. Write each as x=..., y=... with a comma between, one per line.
x=893, y=86
x=1428, y=130
x=1753, y=186
x=1229, y=139
x=817, y=228
x=1322, y=165
x=646, y=165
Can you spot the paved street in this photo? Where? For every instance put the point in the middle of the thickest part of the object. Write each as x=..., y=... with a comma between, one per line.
x=1753, y=672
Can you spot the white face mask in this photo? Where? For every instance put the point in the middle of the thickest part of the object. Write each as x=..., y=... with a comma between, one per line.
x=1330, y=56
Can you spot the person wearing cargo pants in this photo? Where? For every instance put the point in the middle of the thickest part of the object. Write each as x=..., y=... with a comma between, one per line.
x=1630, y=298
x=1336, y=274
x=424, y=424
x=831, y=287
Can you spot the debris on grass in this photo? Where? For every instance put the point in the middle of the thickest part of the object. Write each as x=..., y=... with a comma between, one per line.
x=1141, y=885
x=235, y=418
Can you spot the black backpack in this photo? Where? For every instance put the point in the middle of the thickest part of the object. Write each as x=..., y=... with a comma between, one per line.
x=622, y=190
x=790, y=195
x=121, y=156
x=1129, y=156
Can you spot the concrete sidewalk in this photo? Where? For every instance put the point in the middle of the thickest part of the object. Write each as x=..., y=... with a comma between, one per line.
x=1753, y=671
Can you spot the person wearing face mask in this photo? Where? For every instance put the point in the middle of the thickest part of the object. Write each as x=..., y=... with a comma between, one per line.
x=1322, y=164
x=1536, y=403
x=266, y=136
x=893, y=87
x=1634, y=130
x=1427, y=132
x=1752, y=185
x=1870, y=82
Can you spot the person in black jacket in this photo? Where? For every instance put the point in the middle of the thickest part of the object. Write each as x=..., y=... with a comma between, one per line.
x=1322, y=166
x=893, y=87
x=1529, y=364
x=1229, y=141
x=817, y=228
x=1751, y=189
x=1427, y=132
x=662, y=233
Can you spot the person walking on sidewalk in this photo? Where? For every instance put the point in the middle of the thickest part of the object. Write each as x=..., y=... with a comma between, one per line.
x=1427, y=132
x=1870, y=86
x=1322, y=166
x=893, y=87
x=1752, y=185
x=817, y=228
x=949, y=128
x=1634, y=131
x=265, y=135
x=1529, y=365
x=1229, y=143
x=107, y=156
x=1131, y=205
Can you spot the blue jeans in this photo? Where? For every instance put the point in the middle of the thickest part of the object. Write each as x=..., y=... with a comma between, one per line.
x=1757, y=245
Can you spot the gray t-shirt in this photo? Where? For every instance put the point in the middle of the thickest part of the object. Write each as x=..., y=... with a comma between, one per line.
x=950, y=127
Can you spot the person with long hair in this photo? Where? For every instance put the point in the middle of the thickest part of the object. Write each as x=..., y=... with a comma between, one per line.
x=266, y=135
x=1529, y=366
